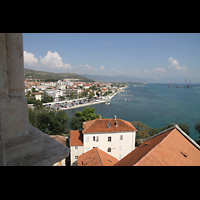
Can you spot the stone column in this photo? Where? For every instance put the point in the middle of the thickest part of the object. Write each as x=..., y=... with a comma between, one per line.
x=20, y=143
x=13, y=104
x=3, y=92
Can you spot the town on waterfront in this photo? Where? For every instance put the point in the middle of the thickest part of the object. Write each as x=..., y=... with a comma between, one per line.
x=69, y=93
x=140, y=98
x=84, y=99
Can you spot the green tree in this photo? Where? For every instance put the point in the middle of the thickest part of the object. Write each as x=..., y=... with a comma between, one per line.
x=197, y=127
x=72, y=95
x=86, y=115
x=184, y=126
x=46, y=98
x=142, y=129
x=37, y=104
x=91, y=95
x=61, y=98
x=34, y=90
x=166, y=127
x=50, y=122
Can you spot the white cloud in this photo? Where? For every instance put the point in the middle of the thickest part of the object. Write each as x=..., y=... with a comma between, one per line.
x=159, y=69
x=174, y=64
x=29, y=59
x=167, y=71
x=51, y=60
x=102, y=68
x=54, y=60
x=87, y=66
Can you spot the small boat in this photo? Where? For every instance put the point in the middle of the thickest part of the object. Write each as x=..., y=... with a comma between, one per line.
x=107, y=103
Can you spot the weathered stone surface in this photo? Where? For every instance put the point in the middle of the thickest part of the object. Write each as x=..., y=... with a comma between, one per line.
x=20, y=143
x=15, y=64
x=22, y=146
x=3, y=67
x=2, y=153
x=15, y=121
x=39, y=150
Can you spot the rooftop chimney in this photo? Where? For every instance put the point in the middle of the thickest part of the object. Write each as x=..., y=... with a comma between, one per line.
x=116, y=124
x=100, y=117
x=83, y=125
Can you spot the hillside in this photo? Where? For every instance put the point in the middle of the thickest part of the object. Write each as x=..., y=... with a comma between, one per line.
x=50, y=76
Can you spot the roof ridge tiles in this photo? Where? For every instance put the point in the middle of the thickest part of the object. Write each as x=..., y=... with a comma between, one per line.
x=100, y=126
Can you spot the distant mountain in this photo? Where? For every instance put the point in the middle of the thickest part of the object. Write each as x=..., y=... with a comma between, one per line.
x=50, y=76
x=116, y=78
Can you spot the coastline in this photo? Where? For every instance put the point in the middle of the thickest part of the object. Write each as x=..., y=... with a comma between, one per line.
x=104, y=100
x=83, y=105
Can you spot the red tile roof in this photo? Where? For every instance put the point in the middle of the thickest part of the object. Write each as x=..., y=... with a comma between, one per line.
x=96, y=157
x=169, y=148
x=101, y=126
x=76, y=138
x=59, y=138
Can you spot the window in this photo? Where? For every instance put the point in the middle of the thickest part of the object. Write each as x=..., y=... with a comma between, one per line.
x=76, y=157
x=109, y=149
x=109, y=139
x=121, y=137
x=76, y=147
x=96, y=138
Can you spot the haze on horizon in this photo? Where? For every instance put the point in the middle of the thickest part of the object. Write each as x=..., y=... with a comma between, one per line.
x=150, y=57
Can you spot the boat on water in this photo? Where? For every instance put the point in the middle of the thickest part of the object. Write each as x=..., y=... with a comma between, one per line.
x=183, y=86
x=107, y=103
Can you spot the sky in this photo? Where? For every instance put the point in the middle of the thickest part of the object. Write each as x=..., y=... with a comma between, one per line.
x=155, y=57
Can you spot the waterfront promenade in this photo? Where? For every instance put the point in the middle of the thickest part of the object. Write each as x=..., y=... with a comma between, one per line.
x=103, y=100
x=72, y=104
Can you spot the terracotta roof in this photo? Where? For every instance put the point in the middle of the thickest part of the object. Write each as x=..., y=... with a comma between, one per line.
x=37, y=93
x=96, y=157
x=101, y=126
x=172, y=147
x=59, y=138
x=76, y=138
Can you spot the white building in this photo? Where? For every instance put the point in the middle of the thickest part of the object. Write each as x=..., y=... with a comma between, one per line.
x=76, y=145
x=114, y=136
x=55, y=94
x=38, y=95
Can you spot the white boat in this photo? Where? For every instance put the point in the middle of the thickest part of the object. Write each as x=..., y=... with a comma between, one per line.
x=107, y=103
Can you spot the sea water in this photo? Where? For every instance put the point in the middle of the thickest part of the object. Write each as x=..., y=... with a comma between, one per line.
x=156, y=105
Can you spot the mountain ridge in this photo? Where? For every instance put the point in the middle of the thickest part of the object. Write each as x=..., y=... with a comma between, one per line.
x=47, y=76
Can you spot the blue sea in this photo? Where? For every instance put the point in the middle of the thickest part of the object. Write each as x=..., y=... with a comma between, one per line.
x=156, y=105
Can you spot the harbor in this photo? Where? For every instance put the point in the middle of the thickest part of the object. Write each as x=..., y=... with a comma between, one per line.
x=81, y=102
